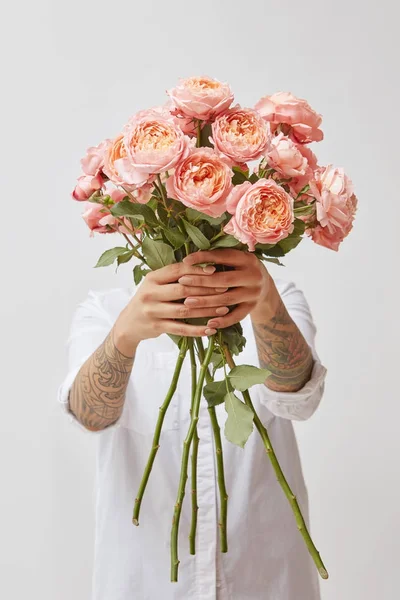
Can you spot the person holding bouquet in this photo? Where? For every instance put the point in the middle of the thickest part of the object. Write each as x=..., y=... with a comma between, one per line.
x=151, y=366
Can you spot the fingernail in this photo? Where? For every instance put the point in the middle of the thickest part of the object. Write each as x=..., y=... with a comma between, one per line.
x=191, y=301
x=212, y=323
x=220, y=290
x=185, y=280
x=209, y=269
x=210, y=331
x=222, y=310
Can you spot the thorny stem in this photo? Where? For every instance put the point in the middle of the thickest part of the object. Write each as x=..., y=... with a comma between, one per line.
x=185, y=461
x=157, y=433
x=301, y=525
x=195, y=448
x=219, y=460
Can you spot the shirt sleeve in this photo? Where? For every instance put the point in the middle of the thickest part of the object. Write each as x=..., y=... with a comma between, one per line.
x=302, y=404
x=89, y=327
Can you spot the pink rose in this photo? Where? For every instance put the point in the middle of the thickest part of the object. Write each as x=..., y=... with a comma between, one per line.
x=201, y=97
x=262, y=213
x=298, y=183
x=202, y=181
x=153, y=144
x=334, y=193
x=92, y=163
x=322, y=237
x=116, y=194
x=240, y=134
x=113, y=151
x=143, y=194
x=285, y=157
x=86, y=186
x=285, y=109
x=93, y=216
x=336, y=205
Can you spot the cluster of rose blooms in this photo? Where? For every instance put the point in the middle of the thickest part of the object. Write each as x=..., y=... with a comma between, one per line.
x=164, y=141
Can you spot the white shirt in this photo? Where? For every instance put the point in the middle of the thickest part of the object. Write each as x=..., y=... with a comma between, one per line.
x=267, y=558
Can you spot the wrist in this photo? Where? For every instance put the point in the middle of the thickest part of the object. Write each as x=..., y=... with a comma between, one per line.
x=123, y=340
x=266, y=300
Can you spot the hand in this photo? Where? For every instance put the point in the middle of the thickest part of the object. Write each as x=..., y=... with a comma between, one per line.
x=248, y=284
x=154, y=307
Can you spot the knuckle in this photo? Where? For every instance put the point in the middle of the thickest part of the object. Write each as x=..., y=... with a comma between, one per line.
x=147, y=312
x=223, y=280
x=146, y=297
x=228, y=299
x=151, y=276
x=181, y=330
x=183, y=312
x=175, y=269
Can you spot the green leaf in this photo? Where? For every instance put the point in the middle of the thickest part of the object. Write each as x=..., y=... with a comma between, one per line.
x=174, y=236
x=244, y=376
x=196, y=236
x=109, y=256
x=175, y=206
x=216, y=361
x=157, y=254
x=233, y=337
x=194, y=215
x=269, y=250
x=162, y=214
x=275, y=261
x=300, y=211
x=289, y=243
x=216, y=391
x=239, y=423
x=124, y=258
x=254, y=178
x=127, y=208
x=299, y=227
x=137, y=274
x=153, y=202
x=226, y=241
x=239, y=176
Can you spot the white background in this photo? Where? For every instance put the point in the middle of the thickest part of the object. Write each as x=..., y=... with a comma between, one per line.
x=72, y=73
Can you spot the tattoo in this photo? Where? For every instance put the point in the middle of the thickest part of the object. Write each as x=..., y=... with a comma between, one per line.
x=283, y=350
x=98, y=393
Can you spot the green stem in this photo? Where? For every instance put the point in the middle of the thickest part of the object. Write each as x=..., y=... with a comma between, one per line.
x=301, y=525
x=219, y=460
x=161, y=189
x=157, y=433
x=183, y=232
x=185, y=461
x=136, y=253
x=195, y=448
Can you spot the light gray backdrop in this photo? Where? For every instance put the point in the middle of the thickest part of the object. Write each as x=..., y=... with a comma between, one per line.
x=73, y=72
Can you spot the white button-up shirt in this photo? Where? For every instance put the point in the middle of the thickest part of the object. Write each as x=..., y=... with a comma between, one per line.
x=267, y=558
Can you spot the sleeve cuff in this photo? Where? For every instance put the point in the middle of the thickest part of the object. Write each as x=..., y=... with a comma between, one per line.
x=62, y=397
x=300, y=405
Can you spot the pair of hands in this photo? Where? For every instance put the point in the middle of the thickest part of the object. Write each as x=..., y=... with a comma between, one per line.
x=153, y=310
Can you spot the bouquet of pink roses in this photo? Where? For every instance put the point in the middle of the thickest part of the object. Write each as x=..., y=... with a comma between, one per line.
x=177, y=180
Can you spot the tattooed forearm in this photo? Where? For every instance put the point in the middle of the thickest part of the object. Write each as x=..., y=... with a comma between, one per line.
x=282, y=350
x=98, y=393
